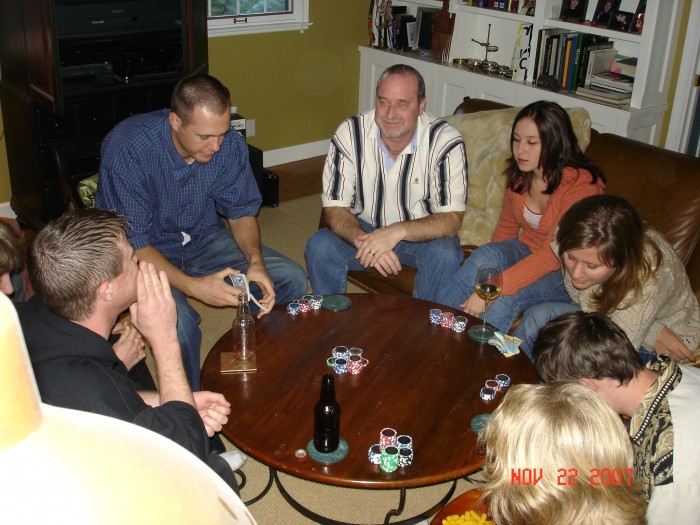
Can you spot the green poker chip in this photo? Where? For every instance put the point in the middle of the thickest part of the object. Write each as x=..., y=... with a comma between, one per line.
x=479, y=422
x=336, y=303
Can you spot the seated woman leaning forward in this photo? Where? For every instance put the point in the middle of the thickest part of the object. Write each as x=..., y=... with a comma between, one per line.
x=557, y=453
x=546, y=173
x=615, y=264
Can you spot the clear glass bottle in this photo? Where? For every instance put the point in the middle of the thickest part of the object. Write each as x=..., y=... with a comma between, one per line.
x=327, y=418
x=243, y=330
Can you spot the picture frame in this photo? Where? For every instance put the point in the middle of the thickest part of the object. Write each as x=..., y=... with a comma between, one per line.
x=528, y=8
x=637, y=24
x=621, y=21
x=573, y=10
x=603, y=14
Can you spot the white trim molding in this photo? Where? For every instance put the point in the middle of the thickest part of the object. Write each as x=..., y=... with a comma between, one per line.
x=6, y=210
x=295, y=153
x=686, y=92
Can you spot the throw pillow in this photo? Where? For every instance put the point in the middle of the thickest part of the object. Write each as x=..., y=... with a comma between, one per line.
x=487, y=139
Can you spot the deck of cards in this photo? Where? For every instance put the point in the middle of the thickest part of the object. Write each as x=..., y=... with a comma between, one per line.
x=508, y=345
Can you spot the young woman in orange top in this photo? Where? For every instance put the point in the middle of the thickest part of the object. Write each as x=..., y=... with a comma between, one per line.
x=546, y=173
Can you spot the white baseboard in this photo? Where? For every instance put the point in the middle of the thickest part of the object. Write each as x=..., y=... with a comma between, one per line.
x=295, y=153
x=6, y=211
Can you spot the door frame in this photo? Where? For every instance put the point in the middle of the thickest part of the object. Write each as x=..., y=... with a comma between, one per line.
x=686, y=97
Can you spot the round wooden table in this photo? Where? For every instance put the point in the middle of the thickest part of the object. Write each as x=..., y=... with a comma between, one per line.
x=422, y=380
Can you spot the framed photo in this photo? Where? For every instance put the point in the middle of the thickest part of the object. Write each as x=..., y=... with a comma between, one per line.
x=528, y=8
x=622, y=20
x=603, y=14
x=638, y=21
x=573, y=10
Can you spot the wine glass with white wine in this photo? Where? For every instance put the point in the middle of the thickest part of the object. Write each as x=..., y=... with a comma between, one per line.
x=488, y=285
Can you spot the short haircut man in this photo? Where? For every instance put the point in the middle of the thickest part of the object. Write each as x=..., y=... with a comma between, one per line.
x=86, y=273
x=394, y=192
x=183, y=179
x=660, y=401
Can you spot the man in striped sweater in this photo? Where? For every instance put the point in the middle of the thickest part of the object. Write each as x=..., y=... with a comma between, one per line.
x=394, y=192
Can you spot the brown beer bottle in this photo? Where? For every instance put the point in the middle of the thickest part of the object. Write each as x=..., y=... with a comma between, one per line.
x=327, y=418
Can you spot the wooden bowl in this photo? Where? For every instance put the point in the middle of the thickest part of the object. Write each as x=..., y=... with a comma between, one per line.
x=459, y=506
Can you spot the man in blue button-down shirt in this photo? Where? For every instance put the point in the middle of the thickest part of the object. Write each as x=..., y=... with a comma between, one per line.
x=174, y=174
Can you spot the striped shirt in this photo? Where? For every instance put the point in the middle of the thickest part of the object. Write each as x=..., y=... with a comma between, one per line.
x=430, y=177
x=168, y=202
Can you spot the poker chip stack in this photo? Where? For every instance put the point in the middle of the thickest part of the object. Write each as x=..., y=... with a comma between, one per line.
x=305, y=304
x=392, y=451
x=447, y=320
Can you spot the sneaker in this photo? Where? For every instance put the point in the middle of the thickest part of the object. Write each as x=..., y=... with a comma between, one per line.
x=234, y=459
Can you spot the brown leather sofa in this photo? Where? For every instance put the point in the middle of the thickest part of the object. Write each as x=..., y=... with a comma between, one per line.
x=664, y=187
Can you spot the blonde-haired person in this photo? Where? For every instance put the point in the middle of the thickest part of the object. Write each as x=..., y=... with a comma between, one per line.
x=558, y=454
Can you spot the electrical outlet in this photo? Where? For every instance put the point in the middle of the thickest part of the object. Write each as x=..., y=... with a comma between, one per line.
x=250, y=127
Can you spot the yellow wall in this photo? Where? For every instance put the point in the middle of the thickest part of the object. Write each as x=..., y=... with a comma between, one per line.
x=299, y=86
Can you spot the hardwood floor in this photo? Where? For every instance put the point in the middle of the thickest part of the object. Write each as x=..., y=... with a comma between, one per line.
x=300, y=179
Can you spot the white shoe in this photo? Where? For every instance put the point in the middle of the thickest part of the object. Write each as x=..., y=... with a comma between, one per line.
x=234, y=459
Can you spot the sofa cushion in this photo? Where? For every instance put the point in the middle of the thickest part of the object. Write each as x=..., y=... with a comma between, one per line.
x=487, y=139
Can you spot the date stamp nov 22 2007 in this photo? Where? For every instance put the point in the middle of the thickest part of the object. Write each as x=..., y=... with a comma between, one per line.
x=569, y=476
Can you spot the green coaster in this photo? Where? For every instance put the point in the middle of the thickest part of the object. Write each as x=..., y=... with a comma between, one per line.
x=336, y=303
x=479, y=422
x=332, y=457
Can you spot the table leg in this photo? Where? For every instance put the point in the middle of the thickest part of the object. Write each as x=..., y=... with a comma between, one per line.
x=263, y=492
x=402, y=500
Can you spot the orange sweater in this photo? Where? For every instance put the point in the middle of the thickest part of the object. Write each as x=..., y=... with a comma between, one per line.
x=574, y=186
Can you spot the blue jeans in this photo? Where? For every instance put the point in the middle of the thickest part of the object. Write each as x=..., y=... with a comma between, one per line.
x=504, y=309
x=329, y=258
x=214, y=253
x=535, y=318
x=538, y=316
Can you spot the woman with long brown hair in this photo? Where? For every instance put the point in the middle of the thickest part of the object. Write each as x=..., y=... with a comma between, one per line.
x=615, y=264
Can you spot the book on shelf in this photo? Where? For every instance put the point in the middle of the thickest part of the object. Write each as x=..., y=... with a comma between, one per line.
x=614, y=81
x=624, y=65
x=604, y=95
x=599, y=61
x=590, y=43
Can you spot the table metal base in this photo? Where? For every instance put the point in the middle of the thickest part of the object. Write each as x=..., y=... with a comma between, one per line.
x=392, y=513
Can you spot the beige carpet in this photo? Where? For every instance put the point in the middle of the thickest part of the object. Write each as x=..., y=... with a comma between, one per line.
x=286, y=229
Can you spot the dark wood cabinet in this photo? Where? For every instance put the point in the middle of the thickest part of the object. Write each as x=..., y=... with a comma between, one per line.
x=72, y=69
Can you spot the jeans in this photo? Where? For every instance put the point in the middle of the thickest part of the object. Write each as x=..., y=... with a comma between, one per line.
x=505, y=308
x=329, y=258
x=535, y=318
x=214, y=253
x=538, y=316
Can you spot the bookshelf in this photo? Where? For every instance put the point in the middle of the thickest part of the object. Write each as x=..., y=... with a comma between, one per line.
x=447, y=83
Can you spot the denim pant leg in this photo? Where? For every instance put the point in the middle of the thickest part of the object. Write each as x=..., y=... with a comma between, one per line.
x=436, y=261
x=328, y=260
x=215, y=252
x=503, y=254
x=505, y=309
x=219, y=251
x=535, y=318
